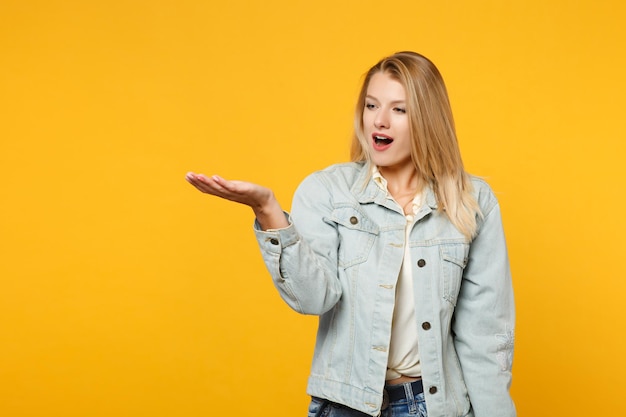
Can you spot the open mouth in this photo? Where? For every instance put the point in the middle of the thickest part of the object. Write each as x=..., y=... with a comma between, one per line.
x=381, y=140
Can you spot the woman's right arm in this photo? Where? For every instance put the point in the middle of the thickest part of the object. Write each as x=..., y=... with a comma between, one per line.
x=303, y=270
x=302, y=258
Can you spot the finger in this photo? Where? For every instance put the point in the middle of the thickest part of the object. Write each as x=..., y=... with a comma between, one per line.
x=234, y=187
x=194, y=178
x=224, y=184
x=203, y=184
x=198, y=180
x=190, y=177
x=215, y=185
x=210, y=186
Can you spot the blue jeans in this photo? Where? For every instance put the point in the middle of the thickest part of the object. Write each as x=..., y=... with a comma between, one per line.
x=413, y=407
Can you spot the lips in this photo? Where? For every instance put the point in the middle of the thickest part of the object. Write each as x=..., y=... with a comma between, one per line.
x=381, y=141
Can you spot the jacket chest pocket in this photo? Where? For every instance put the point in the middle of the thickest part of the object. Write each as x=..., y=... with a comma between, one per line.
x=357, y=234
x=454, y=260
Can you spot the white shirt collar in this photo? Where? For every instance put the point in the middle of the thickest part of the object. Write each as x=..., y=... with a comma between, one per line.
x=382, y=183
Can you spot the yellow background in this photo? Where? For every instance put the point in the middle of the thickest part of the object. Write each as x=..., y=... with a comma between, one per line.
x=124, y=292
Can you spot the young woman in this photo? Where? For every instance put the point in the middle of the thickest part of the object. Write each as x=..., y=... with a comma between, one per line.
x=401, y=254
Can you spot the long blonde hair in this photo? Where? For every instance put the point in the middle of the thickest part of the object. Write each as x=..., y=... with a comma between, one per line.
x=434, y=146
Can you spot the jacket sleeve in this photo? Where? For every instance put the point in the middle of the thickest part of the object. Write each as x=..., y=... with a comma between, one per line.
x=302, y=258
x=484, y=319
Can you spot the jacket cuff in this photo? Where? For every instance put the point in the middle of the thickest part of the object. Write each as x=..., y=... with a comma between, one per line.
x=275, y=240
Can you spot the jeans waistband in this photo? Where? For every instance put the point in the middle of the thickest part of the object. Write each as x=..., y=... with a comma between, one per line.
x=400, y=391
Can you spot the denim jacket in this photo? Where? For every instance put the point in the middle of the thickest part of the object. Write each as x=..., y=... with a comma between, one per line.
x=340, y=259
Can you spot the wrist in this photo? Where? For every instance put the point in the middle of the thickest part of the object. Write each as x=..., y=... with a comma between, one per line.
x=270, y=215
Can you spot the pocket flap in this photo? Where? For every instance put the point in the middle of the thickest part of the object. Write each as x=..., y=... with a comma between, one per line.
x=354, y=219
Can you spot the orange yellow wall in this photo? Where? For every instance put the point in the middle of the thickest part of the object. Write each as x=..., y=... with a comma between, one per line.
x=123, y=292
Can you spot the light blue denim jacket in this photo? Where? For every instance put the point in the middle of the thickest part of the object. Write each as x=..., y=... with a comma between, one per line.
x=340, y=259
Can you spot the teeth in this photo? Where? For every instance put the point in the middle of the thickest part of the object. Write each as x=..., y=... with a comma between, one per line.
x=383, y=139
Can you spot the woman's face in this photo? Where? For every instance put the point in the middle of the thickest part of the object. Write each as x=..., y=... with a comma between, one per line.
x=386, y=124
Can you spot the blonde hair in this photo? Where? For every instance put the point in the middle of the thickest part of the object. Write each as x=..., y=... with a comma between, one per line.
x=434, y=147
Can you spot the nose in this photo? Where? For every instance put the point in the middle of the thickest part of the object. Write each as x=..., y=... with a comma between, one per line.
x=381, y=121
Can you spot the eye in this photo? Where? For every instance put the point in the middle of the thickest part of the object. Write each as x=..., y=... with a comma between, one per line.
x=399, y=110
x=370, y=106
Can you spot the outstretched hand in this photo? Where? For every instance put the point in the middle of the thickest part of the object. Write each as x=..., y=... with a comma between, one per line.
x=247, y=193
x=259, y=198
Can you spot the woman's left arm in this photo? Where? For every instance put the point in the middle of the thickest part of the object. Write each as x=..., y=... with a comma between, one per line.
x=484, y=322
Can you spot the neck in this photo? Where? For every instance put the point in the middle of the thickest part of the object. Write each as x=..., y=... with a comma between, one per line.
x=401, y=181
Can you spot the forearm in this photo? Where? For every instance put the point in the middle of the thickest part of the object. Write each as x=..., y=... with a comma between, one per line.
x=270, y=215
x=306, y=281
x=302, y=257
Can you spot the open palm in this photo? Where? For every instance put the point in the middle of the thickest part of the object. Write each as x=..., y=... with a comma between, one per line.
x=247, y=193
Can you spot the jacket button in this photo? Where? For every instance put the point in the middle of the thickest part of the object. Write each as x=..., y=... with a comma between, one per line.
x=354, y=220
x=421, y=263
x=426, y=325
x=432, y=390
x=274, y=241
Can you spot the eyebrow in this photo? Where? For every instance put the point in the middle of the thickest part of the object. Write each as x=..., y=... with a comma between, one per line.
x=393, y=102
